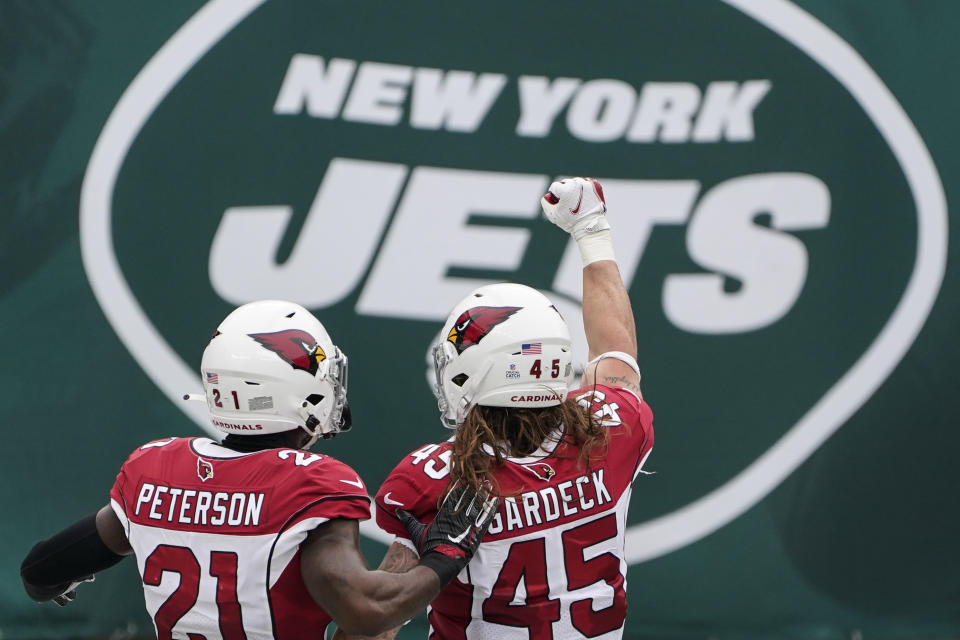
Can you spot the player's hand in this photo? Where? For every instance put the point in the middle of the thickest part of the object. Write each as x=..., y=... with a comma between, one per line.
x=577, y=206
x=448, y=543
x=70, y=593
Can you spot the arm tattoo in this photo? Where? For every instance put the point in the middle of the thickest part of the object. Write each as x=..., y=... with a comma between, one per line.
x=398, y=559
x=622, y=381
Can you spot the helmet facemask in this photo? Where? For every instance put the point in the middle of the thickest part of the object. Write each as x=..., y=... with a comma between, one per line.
x=454, y=399
x=440, y=360
x=338, y=417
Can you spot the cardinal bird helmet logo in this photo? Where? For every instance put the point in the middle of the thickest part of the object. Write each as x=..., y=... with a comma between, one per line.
x=473, y=324
x=296, y=347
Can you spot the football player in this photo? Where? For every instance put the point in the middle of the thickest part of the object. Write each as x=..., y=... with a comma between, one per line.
x=254, y=537
x=563, y=461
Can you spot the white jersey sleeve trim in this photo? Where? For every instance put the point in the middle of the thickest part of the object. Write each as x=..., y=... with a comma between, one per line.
x=642, y=462
x=287, y=544
x=631, y=392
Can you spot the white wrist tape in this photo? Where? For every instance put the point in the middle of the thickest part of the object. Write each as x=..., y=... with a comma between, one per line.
x=596, y=246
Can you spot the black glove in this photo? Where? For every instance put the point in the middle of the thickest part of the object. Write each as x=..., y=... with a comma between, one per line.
x=55, y=567
x=63, y=594
x=70, y=594
x=448, y=543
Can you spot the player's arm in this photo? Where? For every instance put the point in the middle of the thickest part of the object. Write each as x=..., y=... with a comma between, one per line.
x=55, y=567
x=577, y=206
x=361, y=601
x=398, y=559
x=364, y=602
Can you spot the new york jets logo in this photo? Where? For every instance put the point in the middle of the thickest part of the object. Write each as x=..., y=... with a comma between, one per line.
x=379, y=189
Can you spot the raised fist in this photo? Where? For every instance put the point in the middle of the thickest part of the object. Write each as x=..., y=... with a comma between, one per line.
x=577, y=206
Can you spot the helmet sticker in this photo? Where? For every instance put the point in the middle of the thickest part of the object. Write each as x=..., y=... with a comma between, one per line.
x=296, y=347
x=531, y=348
x=473, y=324
x=260, y=403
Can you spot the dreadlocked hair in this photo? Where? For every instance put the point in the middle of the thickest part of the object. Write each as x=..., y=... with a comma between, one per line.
x=516, y=433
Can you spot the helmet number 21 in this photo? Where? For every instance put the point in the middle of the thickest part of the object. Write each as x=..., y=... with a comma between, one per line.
x=535, y=370
x=216, y=399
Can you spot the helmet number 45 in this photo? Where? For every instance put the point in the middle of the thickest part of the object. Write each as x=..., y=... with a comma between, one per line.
x=554, y=368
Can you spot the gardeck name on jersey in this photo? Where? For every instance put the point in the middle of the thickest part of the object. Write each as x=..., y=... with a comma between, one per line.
x=198, y=507
x=566, y=499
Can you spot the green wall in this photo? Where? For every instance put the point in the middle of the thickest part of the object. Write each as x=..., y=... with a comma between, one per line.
x=778, y=177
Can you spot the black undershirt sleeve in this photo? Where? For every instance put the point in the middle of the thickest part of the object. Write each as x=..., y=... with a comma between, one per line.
x=75, y=553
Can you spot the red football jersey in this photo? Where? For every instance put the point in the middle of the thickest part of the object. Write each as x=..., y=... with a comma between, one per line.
x=552, y=564
x=217, y=535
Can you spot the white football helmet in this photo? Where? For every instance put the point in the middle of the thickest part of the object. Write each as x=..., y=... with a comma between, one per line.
x=271, y=367
x=504, y=345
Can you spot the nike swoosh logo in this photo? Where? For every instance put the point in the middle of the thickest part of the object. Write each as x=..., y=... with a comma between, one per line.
x=578, y=201
x=459, y=537
x=387, y=499
x=358, y=483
